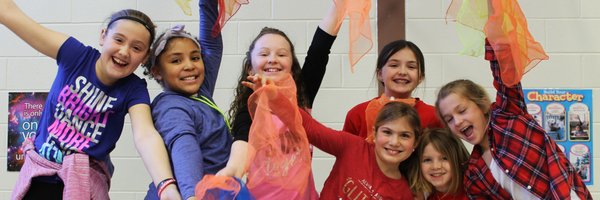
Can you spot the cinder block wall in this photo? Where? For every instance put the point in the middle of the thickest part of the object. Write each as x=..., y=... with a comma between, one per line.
x=566, y=29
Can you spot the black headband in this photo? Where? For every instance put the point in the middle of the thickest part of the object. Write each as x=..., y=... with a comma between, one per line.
x=134, y=19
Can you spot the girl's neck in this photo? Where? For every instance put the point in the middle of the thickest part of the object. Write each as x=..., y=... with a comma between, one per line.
x=102, y=77
x=398, y=96
x=485, y=146
x=485, y=142
x=391, y=171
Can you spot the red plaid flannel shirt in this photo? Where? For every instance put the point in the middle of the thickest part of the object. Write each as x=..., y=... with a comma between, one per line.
x=522, y=149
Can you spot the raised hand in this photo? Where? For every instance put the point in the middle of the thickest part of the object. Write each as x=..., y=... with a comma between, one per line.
x=255, y=82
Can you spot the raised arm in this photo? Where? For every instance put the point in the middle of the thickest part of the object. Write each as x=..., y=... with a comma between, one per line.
x=332, y=21
x=42, y=39
x=176, y=122
x=211, y=47
x=317, y=56
x=509, y=99
x=151, y=148
x=325, y=138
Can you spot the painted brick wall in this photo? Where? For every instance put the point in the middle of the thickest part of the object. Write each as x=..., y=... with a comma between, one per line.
x=566, y=29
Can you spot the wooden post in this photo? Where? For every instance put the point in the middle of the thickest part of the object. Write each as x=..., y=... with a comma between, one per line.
x=391, y=24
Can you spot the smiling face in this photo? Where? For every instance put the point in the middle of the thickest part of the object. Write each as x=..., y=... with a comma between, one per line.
x=464, y=118
x=180, y=67
x=271, y=57
x=394, y=142
x=124, y=47
x=436, y=168
x=401, y=74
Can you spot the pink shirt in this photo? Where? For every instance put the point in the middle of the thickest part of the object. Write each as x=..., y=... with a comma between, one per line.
x=82, y=179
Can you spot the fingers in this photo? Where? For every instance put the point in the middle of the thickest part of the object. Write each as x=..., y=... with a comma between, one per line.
x=248, y=84
x=256, y=81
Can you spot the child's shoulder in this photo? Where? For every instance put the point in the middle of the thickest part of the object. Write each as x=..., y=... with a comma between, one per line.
x=168, y=99
x=361, y=107
x=421, y=105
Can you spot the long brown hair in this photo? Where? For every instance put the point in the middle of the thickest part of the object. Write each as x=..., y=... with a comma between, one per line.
x=448, y=145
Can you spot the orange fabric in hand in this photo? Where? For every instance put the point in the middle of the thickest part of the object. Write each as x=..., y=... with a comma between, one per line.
x=227, y=8
x=505, y=28
x=278, y=150
x=360, y=27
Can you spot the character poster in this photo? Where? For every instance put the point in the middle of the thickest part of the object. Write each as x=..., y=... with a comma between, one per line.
x=24, y=111
x=566, y=115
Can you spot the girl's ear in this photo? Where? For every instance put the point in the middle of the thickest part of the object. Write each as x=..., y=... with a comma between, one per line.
x=146, y=57
x=102, y=36
x=421, y=78
x=486, y=110
x=379, y=75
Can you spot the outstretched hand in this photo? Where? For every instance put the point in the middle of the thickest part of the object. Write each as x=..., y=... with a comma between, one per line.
x=255, y=82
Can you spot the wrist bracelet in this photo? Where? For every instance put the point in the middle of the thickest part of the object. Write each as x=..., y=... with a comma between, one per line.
x=163, y=184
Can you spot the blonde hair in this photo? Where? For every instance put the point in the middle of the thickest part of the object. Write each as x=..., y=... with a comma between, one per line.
x=468, y=89
x=447, y=144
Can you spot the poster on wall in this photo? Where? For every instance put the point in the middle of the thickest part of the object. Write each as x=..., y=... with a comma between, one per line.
x=566, y=115
x=24, y=111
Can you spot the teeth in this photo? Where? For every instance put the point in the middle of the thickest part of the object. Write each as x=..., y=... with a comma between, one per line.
x=119, y=61
x=393, y=151
x=464, y=129
x=190, y=78
x=401, y=81
x=272, y=70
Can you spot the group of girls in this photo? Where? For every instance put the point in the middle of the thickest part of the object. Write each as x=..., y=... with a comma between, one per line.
x=392, y=147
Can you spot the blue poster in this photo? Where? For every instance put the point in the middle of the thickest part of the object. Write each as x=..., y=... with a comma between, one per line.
x=566, y=115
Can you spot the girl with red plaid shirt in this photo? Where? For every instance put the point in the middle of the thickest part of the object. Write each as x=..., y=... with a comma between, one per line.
x=513, y=157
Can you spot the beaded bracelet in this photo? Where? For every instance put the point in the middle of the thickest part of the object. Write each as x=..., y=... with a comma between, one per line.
x=163, y=184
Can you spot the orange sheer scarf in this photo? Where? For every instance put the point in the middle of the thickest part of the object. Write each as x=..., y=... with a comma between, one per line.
x=360, y=27
x=506, y=30
x=213, y=187
x=227, y=8
x=278, y=150
x=373, y=109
